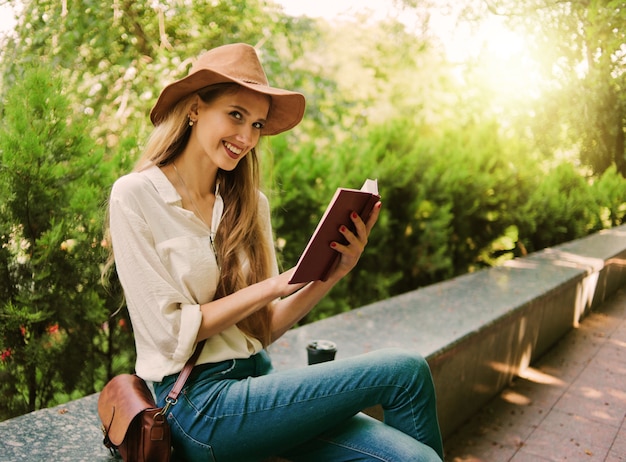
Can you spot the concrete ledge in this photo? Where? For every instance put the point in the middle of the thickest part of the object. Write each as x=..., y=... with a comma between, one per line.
x=66, y=433
x=477, y=331
x=69, y=432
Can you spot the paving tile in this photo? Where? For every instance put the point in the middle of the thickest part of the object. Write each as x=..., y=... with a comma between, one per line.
x=541, y=389
x=582, y=430
x=495, y=433
x=555, y=447
x=499, y=429
x=592, y=334
x=517, y=406
x=522, y=456
x=567, y=360
x=600, y=409
x=619, y=445
x=602, y=383
x=620, y=332
x=615, y=457
x=481, y=450
x=613, y=357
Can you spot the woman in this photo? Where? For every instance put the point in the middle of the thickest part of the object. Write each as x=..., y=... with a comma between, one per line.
x=194, y=252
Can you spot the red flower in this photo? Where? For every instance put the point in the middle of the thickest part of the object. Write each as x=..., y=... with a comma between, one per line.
x=5, y=355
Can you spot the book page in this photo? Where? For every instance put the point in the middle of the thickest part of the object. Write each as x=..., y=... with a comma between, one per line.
x=370, y=186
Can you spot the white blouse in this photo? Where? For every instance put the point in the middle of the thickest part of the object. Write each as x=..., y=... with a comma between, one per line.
x=167, y=268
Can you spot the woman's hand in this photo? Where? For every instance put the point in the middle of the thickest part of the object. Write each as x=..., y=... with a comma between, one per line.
x=351, y=252
x=290, y=309
x=282, y=283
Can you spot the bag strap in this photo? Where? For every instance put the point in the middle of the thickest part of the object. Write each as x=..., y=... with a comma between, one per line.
x=172, y=397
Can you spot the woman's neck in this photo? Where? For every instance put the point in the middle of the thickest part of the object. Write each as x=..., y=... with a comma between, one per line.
x=198, y=176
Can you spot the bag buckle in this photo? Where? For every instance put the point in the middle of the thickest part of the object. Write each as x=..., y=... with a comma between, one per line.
x=169, y=402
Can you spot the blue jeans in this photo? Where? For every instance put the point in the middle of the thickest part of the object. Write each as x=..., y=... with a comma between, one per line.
x=239, y=410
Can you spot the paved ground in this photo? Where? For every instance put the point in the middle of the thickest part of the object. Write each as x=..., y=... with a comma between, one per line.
x=569, y=406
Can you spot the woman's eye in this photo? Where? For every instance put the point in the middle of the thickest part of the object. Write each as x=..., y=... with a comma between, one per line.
x=258, y=125
x=237, y=115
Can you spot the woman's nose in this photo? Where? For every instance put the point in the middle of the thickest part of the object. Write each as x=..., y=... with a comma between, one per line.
x=248, y=135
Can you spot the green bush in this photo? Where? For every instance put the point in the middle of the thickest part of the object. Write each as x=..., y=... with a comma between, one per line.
x=610, y=193
x=453, y=202
x=53, y=310
x=560, y=208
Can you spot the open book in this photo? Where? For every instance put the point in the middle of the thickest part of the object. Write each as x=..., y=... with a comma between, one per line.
x=318, y=257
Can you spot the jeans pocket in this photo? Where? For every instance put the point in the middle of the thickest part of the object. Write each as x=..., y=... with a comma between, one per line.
x=187, y=448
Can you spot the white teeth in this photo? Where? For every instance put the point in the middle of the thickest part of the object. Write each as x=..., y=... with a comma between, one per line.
x=233, y=148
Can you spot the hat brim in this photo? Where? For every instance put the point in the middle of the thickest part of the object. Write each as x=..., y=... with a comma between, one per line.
x=286, y=109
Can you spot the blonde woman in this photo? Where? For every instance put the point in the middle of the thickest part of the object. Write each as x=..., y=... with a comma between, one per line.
x=194, y=252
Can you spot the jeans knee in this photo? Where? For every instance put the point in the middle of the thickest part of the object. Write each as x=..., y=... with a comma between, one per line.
x=408, y=361
x=413, y=368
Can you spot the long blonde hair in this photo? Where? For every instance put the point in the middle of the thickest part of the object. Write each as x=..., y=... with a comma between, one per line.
x=240, y=234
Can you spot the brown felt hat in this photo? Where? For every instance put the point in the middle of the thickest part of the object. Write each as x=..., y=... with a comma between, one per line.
x=237, y=63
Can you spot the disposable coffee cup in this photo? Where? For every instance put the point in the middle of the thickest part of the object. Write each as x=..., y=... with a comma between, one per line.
x=320, y=351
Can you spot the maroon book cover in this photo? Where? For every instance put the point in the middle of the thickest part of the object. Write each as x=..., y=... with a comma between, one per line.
x=318, y=257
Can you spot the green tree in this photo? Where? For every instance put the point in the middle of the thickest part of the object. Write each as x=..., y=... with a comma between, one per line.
x=52, y=308
x=116, y=56
x=579, y=47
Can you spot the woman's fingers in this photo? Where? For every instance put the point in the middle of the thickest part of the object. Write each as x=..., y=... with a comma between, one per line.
x=351, y=252
x=371, y=221
x=362, y=230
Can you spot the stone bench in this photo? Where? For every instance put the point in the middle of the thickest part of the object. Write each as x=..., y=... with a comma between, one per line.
x=477, y=331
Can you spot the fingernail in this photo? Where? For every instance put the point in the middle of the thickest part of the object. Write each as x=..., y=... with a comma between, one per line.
x=354, y=215
x=342, y=229
x=333, y=244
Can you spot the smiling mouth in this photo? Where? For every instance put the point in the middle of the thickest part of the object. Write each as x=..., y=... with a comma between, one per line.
x=232, y=150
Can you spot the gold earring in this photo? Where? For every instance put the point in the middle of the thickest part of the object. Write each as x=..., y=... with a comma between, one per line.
x=190, y=122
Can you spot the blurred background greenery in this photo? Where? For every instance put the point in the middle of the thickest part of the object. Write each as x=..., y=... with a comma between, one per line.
x=495, y=128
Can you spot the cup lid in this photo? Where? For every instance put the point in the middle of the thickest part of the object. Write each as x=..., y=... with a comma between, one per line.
x=323, y=345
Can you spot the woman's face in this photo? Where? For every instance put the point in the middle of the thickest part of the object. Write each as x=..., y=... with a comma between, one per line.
x=227, y=128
